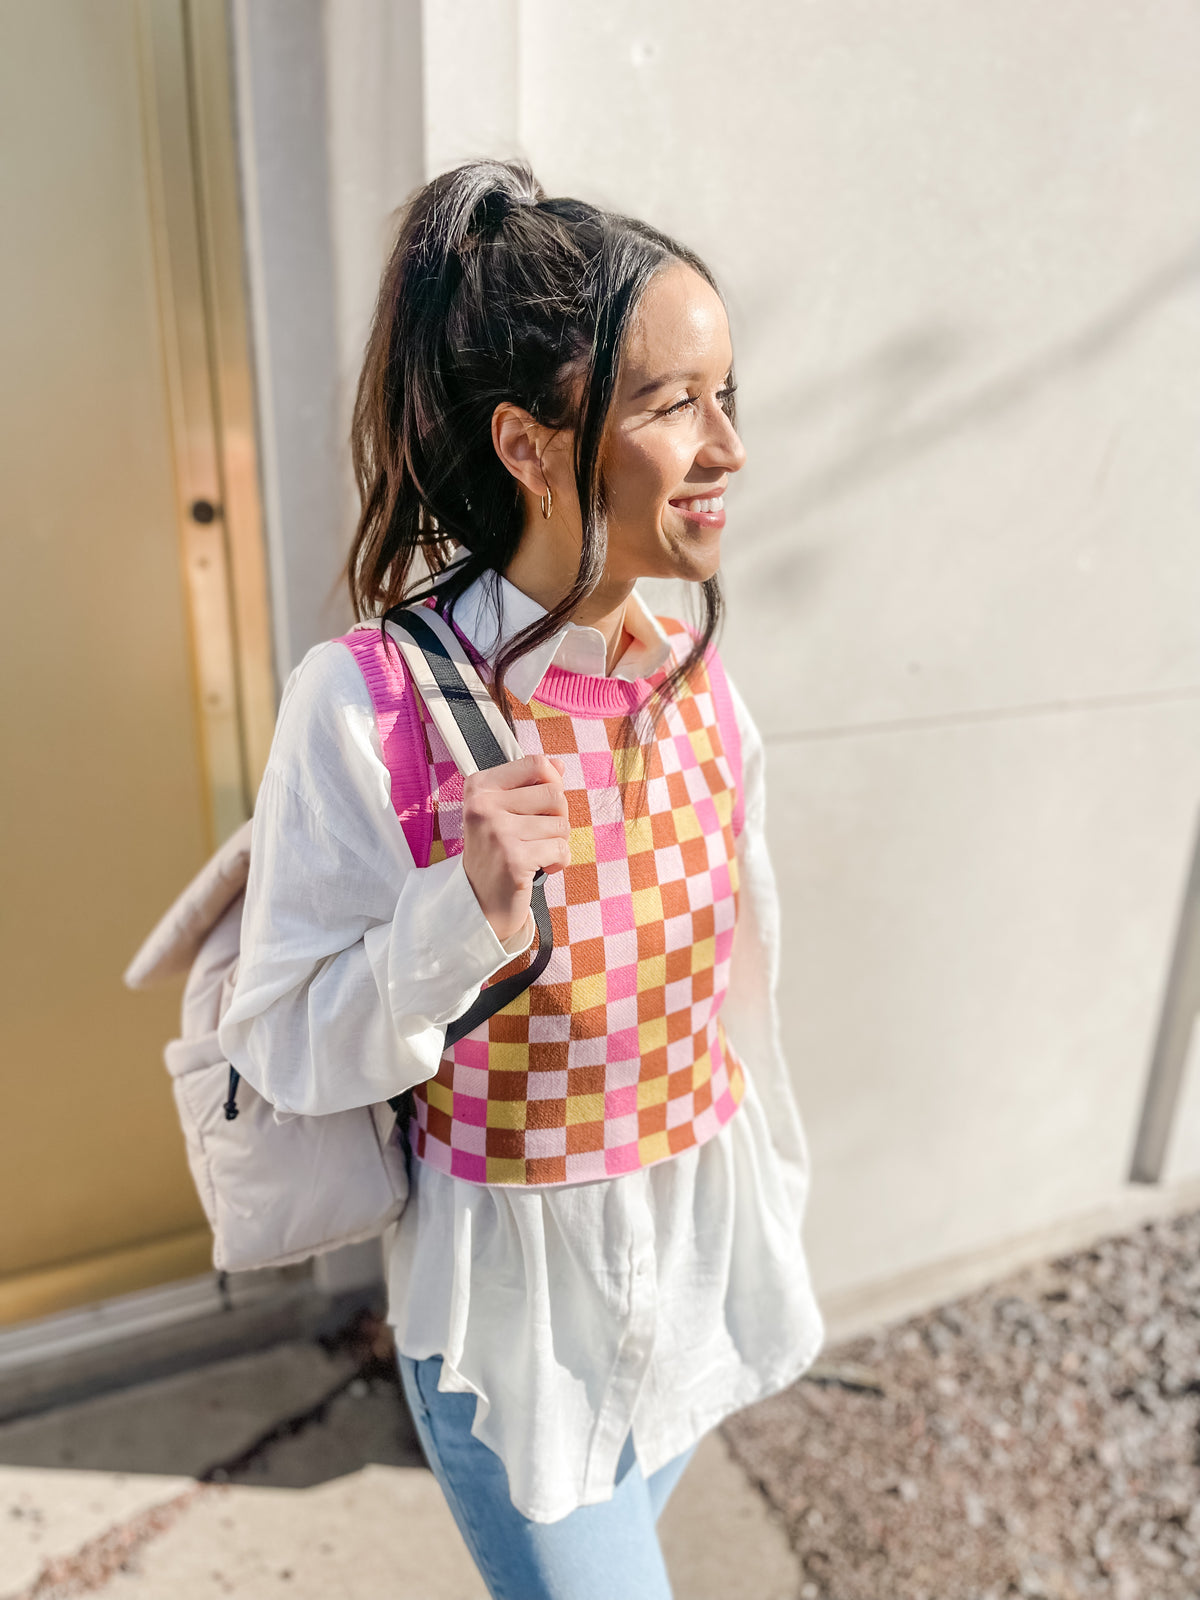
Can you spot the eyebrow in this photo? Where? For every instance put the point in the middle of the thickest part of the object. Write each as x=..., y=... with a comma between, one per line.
x=661, y=383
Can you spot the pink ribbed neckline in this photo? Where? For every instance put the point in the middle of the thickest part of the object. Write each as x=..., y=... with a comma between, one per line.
x=585, y=695
x=578, y=692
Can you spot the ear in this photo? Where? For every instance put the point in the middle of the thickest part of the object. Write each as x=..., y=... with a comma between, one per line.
x=520, y=442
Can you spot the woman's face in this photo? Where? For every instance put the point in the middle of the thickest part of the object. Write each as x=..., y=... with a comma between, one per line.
x=668, y=449
x=669, y=446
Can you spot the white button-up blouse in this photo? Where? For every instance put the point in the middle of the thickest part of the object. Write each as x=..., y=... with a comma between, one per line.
x=658, y=1301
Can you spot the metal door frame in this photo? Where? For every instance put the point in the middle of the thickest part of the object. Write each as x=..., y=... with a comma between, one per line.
x=192, y=171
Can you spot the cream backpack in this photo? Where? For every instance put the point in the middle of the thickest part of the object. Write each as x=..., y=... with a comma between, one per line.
x=278, y=1189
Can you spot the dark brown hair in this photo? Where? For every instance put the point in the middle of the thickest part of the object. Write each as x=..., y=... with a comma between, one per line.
x=493, y=293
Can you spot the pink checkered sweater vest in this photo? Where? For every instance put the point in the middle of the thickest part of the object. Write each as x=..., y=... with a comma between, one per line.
x=615, y=1057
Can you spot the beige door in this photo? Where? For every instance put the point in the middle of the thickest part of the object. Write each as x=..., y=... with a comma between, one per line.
x=134, y=683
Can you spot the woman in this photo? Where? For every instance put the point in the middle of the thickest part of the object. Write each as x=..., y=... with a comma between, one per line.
x=600, y=1258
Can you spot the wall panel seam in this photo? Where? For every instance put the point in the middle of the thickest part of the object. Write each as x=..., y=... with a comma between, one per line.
x=964, y=719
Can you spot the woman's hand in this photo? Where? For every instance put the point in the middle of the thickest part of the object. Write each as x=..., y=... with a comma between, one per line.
x=514, y=821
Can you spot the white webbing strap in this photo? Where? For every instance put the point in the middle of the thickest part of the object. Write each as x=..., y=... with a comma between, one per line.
x=434, y=698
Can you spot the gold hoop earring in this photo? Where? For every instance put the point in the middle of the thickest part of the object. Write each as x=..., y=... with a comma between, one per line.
x=547, y=503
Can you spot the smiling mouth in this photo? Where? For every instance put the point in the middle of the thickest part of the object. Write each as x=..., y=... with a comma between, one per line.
x=707, y=510
x=713, y=503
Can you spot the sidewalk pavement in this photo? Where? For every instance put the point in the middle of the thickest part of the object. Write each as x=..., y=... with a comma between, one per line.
x=294, y=1472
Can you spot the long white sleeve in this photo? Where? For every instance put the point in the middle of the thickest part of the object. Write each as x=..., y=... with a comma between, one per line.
x=353, y=959
x=750, y=1011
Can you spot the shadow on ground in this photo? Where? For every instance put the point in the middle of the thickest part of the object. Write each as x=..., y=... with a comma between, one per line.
x=290, y=1417
x=101, y=1498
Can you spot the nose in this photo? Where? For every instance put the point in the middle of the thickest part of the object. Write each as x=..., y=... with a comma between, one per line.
x=722, y=447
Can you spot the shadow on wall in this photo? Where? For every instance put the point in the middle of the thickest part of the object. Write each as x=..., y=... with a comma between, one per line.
x=892, y=384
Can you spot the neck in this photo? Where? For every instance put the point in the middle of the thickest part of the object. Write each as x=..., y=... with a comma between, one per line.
x=540, y=571
x=604, y=610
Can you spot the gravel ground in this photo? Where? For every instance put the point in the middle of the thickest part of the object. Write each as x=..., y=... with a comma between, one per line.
x=1037, y=1439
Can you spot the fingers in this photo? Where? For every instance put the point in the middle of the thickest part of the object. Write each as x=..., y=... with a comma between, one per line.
x=541, y=828
x=536, y=800
x=515, y=822
x=520, y=774
x=497, y=819
x=550, y=854
x=530, y=787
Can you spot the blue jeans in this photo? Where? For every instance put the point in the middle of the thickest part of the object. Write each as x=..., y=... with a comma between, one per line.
x=594, y=1553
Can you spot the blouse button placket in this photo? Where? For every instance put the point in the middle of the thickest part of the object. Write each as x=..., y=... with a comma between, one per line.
x=636, y=1345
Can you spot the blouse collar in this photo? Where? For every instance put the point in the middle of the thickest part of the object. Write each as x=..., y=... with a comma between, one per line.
x=492, y=611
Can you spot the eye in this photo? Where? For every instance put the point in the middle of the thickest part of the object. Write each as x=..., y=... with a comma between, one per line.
x=723, y=397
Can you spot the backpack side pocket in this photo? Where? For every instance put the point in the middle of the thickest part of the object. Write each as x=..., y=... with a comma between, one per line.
x=278, y=1191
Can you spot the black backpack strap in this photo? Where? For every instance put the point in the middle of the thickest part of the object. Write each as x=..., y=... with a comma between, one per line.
x=498, y=995
x=485, y=749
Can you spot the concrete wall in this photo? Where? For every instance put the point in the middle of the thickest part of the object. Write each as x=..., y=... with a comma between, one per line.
x=331, y=137
x=960, y=247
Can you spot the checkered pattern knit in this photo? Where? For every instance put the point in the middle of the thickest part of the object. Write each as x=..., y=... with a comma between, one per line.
x=615, y=1057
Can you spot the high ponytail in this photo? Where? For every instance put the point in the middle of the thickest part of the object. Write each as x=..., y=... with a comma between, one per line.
x=492, y=293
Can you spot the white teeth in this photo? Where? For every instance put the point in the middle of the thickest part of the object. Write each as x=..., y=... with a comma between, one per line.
x=703, y=505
